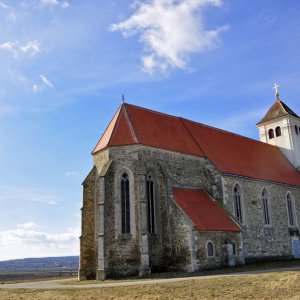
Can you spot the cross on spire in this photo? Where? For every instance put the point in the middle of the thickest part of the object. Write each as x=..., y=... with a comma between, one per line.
x=123, y=98
x=276, y=86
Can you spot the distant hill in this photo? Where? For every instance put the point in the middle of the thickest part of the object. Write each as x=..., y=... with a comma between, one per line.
x=63, y=262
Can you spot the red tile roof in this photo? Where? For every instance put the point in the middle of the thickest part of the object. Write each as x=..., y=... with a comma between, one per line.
x=204, y=212
x=229, y=152
x=235, y=154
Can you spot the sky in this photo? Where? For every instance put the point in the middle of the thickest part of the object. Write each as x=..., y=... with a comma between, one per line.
x=64, y=66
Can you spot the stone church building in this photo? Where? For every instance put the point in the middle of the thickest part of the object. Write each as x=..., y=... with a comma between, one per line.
x=166, y=194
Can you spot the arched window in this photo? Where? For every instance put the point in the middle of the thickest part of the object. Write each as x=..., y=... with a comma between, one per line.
x=296, y=129
x=151, y=204
x=238, y=203
x=210, y=249
x=271, y=134
x=125, y=204
x=278, y=131
x=266, y=209
x=290, y=209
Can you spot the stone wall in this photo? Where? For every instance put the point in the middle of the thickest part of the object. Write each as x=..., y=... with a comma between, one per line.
x=87, y=240
x=261, y=240
x=175, y=245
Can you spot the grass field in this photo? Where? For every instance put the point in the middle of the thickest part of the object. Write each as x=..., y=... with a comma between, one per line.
x=278, y=285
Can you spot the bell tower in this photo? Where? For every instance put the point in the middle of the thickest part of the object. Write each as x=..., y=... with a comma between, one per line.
x=281, y=127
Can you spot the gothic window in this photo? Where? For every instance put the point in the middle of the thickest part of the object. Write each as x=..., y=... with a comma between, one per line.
x=210, y=249
x=238, y=203
x=271, y=134
x=125, y=204
x=151, y=204
x=290, y=209
x=278, y=131
x=266, y=209
x=296, y=129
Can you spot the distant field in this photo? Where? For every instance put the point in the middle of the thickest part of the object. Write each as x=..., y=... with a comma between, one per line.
x=21, y=275
x=279, y=285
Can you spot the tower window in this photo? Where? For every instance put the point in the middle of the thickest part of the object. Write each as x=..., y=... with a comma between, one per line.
x=278, y=131
x=271, y=134
x=151, y=204
x=296, y=129
x=125, y=204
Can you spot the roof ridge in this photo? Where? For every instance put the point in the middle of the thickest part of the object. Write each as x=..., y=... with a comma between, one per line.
x=153, y=111
x=229, y=132
x=199, y=123
x=135, y=138
x=184, y=125
x=282, y=106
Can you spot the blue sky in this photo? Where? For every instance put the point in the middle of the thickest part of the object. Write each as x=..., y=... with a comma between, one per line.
x=65, y=64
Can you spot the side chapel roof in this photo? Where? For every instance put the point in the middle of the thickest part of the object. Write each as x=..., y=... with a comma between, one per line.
x=278, y=109
x=204, y=212
x=229, y=152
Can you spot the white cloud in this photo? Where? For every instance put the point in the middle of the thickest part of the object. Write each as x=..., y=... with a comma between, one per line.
x=32, y=47
x=15, y=193
x=37, y=88
x=26, y=240
x=11, y=17
x=170, y=30
x=63, y=4
x=27, y=225
x=71, y=174
x=46, y=81
x=8, y=45
x=3, y=5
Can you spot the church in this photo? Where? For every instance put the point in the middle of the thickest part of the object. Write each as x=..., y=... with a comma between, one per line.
x=169, y=194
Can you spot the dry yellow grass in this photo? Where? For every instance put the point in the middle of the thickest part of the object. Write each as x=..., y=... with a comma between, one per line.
x=279, y=285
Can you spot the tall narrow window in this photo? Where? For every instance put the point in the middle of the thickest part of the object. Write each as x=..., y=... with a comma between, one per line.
x=296, y=129
x=265, y=202
x=271, y=134
x=210, y=249
x=238, y=203
x=125, y=204
x=278, y=131
x=290, y=208
x=151, y=204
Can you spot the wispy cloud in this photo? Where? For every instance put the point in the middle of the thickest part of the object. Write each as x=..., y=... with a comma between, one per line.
x=71, y=174
x=3, y=5
x=31, y=47
x=170, y=31
x=63, y=4
x=45, y=83
x=8, y=46
x=16, y=193
x=36, y=243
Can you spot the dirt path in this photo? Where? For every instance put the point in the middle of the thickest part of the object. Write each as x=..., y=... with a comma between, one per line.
x=58, y=284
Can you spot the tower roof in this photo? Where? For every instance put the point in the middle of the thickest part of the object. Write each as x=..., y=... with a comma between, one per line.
x=230, y=153
x=278, y=109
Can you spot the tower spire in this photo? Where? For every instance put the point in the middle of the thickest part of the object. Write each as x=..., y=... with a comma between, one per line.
x=276, y=86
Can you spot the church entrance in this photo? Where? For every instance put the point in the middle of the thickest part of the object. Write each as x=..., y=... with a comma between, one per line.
x=230, y=253
x=296, y=248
